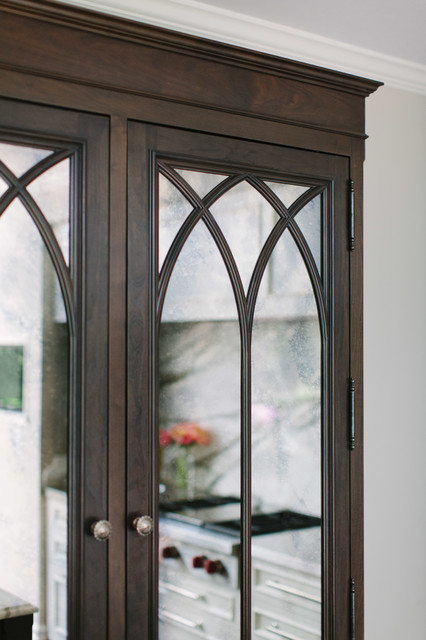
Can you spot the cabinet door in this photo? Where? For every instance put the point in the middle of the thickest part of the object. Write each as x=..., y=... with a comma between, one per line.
x=53, y=365
x=238, y=370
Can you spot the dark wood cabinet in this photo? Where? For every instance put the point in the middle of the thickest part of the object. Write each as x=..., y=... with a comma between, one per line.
x=137, y=112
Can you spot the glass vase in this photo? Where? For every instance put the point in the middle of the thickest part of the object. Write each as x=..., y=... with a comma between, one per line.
x=184, y=474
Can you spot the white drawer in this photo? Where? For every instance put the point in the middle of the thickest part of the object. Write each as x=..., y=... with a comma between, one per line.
x=272, y=627
x=275, y=581
x=287, y=594
x=179, y=628
x=196, y=596
x=193, y=622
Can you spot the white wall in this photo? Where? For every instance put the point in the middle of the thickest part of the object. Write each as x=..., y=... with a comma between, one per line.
x=395, y=366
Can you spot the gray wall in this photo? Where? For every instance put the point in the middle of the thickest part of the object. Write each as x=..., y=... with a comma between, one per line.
x=395, y=366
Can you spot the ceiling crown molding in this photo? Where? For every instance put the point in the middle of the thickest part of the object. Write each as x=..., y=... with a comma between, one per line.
x=226, y=26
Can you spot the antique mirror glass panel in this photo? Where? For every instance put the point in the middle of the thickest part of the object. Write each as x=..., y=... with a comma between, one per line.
x=240, y=364
x=199, y=421
x=286, y=448
x=34, y=381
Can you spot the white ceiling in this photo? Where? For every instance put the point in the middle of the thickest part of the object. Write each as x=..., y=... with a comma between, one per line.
x=391, y=27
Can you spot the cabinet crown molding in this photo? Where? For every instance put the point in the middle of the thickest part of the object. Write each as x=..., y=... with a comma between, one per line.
x=86, y=16
x=251, y=32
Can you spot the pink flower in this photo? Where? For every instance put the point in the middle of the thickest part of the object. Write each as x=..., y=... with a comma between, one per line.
x=185, y=439
x=165, y=438
x=184, y=434
x=263, y=414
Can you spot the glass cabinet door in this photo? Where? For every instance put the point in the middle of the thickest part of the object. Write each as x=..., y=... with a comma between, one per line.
x=47, y=349
x=243, y=388
x=234, y=301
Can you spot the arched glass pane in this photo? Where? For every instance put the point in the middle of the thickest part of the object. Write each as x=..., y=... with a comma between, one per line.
x=286, y=289
x=51, y=191
x=173, y=210
x=287, y=193
x=199, y=431
x=201, y=286
x=246, y=219
x=286, y=449
x=201, y=181
x=34, y=363
x=309, y=220
x=19, y=159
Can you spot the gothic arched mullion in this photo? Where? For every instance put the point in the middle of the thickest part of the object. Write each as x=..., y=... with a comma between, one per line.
x=261, y=264
x=286, y=220
x=307, y=255
x=314, y=276
x=56, y=256
x=200, y=208
x=45, y=230
x=17, y=184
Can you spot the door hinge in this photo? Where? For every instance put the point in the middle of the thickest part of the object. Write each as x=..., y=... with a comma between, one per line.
x=351, y=193
x=353, y=612
x=351, y=413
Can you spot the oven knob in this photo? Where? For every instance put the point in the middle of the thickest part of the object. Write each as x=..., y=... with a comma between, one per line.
x=170, y=552
x=198, y=562
x=213, y=566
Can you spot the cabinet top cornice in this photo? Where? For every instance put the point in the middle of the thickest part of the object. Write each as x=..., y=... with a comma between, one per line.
x=160, y=38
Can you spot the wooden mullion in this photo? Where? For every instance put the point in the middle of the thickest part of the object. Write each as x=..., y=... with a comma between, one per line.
x=117, y=376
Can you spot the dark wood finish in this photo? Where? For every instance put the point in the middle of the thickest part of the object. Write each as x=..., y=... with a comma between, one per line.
x=53, y=91
x=226, y=155
x=157, y=63
x=117, y=376
x=19, y=628
x=86, y=300
x=356, y=345
x=141, y=393
x=263, y=111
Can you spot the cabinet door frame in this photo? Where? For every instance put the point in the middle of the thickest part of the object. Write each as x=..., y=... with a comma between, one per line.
x=85, y=135
x=148, y=144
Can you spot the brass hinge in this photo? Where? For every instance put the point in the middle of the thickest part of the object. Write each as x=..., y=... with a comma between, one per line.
x=351, y=192
x=353, y=613
x=351, y=413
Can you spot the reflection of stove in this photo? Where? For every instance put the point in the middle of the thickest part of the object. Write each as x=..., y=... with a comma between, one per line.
x=222, y=514
x=199, y=571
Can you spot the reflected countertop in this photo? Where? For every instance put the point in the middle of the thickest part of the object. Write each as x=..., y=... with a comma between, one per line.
x=11, y=606
x=299, y=549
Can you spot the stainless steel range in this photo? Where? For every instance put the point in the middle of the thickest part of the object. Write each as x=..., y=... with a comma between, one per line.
x=200, y=568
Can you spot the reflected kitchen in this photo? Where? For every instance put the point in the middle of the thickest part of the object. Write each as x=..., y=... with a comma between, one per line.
x=200, y=475
x=211, y=368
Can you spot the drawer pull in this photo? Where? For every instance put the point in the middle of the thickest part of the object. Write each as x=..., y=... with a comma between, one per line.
x=274, y=584
x=168, y=615
x=182, y=592
x=288, y=636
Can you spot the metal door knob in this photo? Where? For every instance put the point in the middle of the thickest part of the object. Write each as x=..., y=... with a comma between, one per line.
x=101, y=530
x=143, y=525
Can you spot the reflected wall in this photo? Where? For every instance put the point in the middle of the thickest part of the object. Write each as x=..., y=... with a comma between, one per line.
x=34, y=379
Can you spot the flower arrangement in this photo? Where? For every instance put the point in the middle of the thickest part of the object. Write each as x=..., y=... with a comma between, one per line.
x=184, y=435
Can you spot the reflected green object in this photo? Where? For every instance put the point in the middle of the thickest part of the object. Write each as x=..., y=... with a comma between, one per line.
x=11, y=368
